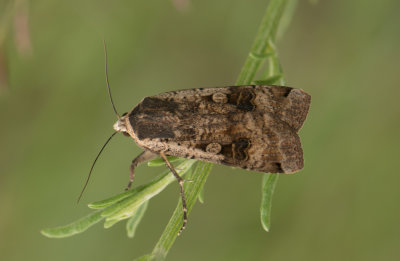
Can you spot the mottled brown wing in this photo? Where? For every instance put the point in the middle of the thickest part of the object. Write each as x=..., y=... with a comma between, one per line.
x=251, y=127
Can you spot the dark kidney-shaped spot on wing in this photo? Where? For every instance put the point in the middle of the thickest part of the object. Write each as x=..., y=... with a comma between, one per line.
x=236, y=152
x=239, y=149
x=242, y=97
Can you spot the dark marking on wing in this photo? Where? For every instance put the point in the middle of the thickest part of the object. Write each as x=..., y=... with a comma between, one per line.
x=239, y=149
x=147, y=122
x=280, y=91
x=235, y=152
x=277, y=167
x=150, y=104
x=153, y=130
x=243, y=98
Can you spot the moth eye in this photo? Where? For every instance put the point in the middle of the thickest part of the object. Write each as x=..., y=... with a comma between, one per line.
x=126, y=134
x=124, y=114
x=213, y=148
x=220, y=97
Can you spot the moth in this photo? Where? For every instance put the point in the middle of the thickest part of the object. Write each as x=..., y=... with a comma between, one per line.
x=252, y=127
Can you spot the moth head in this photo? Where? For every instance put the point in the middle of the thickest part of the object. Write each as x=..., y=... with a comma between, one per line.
x=120, y=125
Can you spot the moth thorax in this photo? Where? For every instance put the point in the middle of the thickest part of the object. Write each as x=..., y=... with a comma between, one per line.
x=120, y=125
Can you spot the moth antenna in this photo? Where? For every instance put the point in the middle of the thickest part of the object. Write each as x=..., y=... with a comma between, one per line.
x=94, y=162
x=108, y=84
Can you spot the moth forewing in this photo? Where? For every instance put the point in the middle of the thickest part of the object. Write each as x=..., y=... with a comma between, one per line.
x=251, y=127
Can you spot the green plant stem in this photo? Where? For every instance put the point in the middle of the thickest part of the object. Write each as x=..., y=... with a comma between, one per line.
x=193, y=190
x=269, y=182
x=266, y=32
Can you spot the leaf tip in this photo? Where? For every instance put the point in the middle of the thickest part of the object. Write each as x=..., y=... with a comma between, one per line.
x=266, y=227
x=45, y=232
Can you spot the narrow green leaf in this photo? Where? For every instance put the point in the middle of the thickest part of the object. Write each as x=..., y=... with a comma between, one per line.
x=192, y=191
x=126, y=200
x=134, y=220
x=111, y=222
x=189, y=178
x=114, y=199
x=201, y=196
x=189, y=174
x=127, y=207
x=160, y=162
x=268, y=186
x=74, y=228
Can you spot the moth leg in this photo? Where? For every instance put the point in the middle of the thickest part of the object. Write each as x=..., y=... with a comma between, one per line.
x=143, y=157
x=180, y=181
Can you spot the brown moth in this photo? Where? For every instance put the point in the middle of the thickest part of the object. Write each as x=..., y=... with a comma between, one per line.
x=252, y=127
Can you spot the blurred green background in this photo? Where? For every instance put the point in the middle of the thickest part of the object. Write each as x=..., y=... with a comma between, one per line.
x=55, y=115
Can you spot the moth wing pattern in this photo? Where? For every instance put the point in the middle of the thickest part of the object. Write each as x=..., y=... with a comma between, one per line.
x=252, y=127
